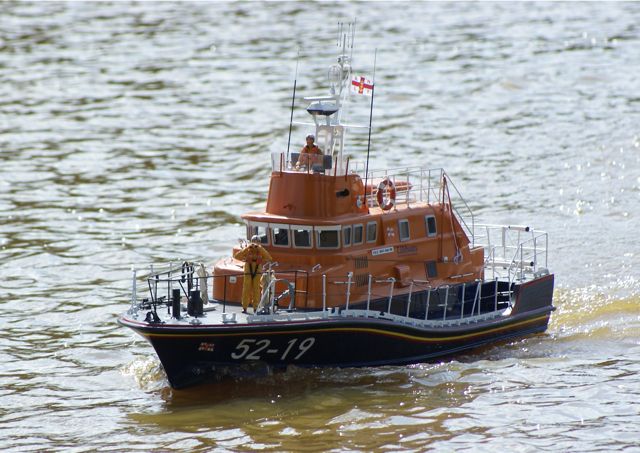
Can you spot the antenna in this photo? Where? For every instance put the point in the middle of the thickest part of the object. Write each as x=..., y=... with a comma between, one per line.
x=353, y=38
x=293, y=101
x=373, y=90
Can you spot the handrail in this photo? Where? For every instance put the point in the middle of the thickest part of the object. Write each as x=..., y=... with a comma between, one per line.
x=412, y=184
x=469, y=230
x=518, y=252
x=443, y=302
x=428, y=183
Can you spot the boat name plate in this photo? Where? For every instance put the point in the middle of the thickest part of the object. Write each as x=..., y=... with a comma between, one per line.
x=382, y=251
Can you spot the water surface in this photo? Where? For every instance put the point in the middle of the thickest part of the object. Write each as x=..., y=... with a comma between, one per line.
x=133, y=133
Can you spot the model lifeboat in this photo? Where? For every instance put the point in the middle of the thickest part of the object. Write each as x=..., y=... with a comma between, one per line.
x=346, y=267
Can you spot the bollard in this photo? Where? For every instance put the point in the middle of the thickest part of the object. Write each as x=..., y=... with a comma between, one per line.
x=194, y=306
x=175, y=301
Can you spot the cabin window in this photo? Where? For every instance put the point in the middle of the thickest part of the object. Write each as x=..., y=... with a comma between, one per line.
x=328, y=237
x=403, y=227
x=258, y=230
x=430, y=223
x=301, y=236
x=280, y=235
x=346, y=236
x=372, y=231
x=358, y=231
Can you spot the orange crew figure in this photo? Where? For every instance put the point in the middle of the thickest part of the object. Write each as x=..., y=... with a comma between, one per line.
x=308, y=153
x=253, y=255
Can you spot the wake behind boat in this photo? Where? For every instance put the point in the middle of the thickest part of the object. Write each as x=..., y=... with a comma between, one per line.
x=338, y=271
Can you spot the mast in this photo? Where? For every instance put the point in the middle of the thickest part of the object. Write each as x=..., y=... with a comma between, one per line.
x=373, y=91
x=293, y=100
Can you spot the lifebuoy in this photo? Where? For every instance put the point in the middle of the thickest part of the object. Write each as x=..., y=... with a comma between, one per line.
x=386, y=185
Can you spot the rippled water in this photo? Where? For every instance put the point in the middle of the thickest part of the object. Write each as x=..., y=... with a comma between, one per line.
x=137, y=133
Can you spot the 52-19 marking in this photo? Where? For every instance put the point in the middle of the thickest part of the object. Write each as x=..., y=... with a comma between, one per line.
x=251, y=349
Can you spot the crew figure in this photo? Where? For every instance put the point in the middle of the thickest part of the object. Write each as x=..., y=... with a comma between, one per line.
x=254, y=256
x=309, y=153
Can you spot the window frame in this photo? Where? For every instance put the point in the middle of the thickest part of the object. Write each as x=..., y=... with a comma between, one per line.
x=346, y=235
x=429, y=234
x=282, y=226
x=308, y=229
x=250, y=232
x=408, y=224
x=375, y=238
x=353, y=232
x=320, y=229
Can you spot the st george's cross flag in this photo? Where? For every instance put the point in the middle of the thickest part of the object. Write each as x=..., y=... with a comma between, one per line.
x=361, y=85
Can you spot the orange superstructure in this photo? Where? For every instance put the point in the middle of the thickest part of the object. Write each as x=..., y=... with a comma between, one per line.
x=318, y=224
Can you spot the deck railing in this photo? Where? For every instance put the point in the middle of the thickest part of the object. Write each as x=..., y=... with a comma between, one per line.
x=162, y=281
x=383, y=299
x=444, y=305
x=184, y=277
x=412, y=185
x=424, y=186
x=514, y=252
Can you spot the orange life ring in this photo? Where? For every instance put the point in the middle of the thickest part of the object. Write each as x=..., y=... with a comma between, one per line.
x=386, y=184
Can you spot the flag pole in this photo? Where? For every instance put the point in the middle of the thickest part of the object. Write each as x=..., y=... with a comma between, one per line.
x=366, y=168
x=293, y=100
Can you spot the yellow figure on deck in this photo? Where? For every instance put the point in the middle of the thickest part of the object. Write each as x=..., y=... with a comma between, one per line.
x=253, y=255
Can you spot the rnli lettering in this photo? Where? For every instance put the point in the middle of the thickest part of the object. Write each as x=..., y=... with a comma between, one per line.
x=252, y=349
x=382, y=251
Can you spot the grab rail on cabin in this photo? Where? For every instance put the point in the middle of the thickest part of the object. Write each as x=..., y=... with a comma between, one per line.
x=462, y=210
x=514, y=252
